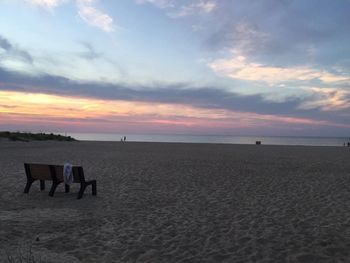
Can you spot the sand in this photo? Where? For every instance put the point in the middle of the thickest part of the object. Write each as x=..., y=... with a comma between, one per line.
x=160, y=202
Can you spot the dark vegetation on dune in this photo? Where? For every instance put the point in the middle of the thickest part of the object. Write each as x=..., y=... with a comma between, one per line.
x=27, y=136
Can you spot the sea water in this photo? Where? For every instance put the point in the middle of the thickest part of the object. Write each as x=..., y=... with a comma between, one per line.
x=226, y=139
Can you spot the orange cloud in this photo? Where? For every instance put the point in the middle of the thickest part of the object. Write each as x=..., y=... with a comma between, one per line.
x=239, y=68
x=57, y=111
x=328, y=99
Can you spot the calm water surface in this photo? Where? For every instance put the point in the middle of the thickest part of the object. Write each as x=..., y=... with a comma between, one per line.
x=308, y=141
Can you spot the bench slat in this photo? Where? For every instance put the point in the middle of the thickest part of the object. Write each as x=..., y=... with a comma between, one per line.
x=40, y=171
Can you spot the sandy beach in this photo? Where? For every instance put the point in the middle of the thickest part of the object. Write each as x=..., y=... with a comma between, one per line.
x=163, y=202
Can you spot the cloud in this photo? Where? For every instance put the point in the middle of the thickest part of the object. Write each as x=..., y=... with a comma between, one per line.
x=208, y=97
x=87, y=11
x=176, y=9
x=95, y=17
x=89, y=53
x=328, y=99
x=85, y=63
x=10, y=52
x=45, y=3
x=265, y=31
x=201, y=7
x=308, y=104
x=42, y=110
x=206, y=6
x=158, y=3
x=238, y=67
x=227, y=110
x=242, y=36
x=184, y=93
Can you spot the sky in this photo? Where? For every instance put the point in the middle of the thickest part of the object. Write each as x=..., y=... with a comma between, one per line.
x=207, y=67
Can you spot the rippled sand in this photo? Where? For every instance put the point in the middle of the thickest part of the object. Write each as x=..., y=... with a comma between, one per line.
x=180, y=203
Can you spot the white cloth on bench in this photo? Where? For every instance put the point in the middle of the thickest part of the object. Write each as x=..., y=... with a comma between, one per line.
x=68, y=173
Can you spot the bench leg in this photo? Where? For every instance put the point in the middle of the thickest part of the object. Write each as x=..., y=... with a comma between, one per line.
x=94, y=188
x=81, y=191
x=28, y=185
x=66, y=188
x=42, y=185
x=53, y=188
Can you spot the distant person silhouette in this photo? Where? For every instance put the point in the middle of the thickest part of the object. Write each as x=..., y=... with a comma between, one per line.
x=124, y=138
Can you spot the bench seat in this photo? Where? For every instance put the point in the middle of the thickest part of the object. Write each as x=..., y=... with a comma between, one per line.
x=54, y=173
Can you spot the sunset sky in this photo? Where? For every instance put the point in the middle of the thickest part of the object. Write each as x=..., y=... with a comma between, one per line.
x=272, y=67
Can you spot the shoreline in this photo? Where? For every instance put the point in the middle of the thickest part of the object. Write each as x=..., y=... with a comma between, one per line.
x=180, y=143
x=229, y=139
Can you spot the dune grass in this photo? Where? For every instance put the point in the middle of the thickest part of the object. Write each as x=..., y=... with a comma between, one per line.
x=27, y=136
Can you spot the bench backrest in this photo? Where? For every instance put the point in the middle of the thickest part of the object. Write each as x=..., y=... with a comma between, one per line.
x=78, y=173
x=52, y=172
x=39, y=171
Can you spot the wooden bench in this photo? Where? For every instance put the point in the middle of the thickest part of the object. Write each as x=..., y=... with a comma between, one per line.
x=54, y=173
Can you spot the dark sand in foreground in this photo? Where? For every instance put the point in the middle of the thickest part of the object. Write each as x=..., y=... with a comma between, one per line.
x=162, y=202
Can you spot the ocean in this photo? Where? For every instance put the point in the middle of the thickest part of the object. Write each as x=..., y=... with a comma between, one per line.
x=265, y=140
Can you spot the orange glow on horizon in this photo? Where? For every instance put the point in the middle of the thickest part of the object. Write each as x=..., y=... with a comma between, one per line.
x=24, y=108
